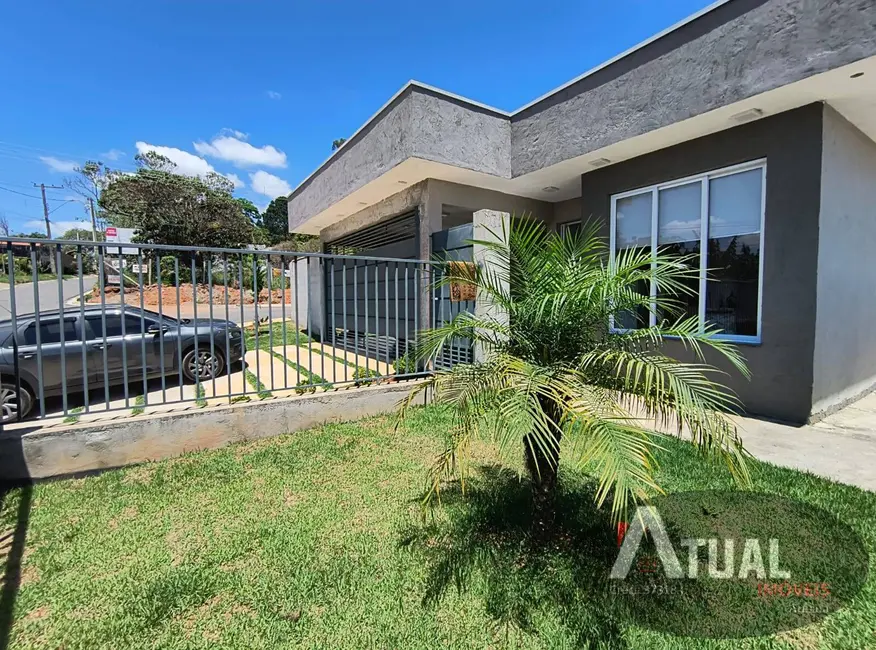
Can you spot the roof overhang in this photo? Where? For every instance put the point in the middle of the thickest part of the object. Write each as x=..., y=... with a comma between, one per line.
x=692, y=80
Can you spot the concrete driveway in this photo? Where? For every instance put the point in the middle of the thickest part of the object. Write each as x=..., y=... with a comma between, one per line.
x=841, y=447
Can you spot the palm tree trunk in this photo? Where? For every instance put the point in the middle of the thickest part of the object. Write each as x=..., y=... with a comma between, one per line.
x=542, y=465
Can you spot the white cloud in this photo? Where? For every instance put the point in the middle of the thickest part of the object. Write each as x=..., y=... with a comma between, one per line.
x=240, y=135
x=240, y=153
x=269, y=185
x=273, y=94
x=112, y=154
x=187, y=164
x=58, y=165
x=237, y=180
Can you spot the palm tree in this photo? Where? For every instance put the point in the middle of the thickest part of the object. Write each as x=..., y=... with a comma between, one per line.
x=552, y=377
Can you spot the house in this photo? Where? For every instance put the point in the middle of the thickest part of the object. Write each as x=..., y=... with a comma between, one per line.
x=43, y=255
x=746, y=131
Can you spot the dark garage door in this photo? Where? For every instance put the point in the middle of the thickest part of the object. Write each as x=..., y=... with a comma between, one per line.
x=373, y=306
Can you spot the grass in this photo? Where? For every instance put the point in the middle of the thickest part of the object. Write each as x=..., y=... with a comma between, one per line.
x=272, y=336
x=139, y=405
x=74, y=416
x=27, y=278
x=317, y=540
x=309, y=377
x=201, y=401
x=261, y=390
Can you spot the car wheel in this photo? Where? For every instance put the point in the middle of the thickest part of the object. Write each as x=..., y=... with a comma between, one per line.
x=202, y=366
x=10, y=405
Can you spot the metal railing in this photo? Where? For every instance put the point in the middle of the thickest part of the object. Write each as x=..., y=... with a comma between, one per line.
x=131, y=327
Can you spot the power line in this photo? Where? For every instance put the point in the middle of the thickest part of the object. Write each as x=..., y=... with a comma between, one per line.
x=31, y=196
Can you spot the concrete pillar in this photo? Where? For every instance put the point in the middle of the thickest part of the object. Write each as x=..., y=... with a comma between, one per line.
x=488, y=226
x=316, y=303
x=430, y=222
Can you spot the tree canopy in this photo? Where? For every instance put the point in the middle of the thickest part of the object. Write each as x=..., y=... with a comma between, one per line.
x=90, y=180
x=168, y=208
x=276, y=219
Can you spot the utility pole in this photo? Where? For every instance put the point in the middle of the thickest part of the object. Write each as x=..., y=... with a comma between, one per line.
x=93, y=220
x=42, y=187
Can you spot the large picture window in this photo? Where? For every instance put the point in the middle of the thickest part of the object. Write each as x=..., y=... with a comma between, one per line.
x=717, y=218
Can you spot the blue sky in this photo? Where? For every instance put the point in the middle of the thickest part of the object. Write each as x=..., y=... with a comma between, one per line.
x=259, y=90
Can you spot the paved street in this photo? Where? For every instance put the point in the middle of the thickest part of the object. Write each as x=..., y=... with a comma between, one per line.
x=48, y=295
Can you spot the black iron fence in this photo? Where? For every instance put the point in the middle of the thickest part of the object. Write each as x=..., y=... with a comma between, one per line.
x=141, y=328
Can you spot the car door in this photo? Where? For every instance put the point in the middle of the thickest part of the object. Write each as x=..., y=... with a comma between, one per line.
x=41, y=341
x=116, y=349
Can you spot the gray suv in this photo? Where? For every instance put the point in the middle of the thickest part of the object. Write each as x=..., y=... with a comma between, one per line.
x=109, y=357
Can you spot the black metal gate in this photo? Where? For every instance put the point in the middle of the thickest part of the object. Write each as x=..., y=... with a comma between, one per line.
x=380, y=297
x=452, y=244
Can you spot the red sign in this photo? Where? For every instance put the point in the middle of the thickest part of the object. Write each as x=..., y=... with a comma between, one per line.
x=111, y=231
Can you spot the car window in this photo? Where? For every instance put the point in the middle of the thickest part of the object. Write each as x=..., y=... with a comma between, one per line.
x=133, y=325
x=50, y=332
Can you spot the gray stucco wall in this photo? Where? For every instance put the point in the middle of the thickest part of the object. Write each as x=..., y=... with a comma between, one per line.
x=845, y=335
x=782, y=365
x=376, y=150
x=567, y=211
x=738, y=50
x=419, y=124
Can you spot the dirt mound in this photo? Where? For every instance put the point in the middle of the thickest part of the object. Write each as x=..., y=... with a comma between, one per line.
x=170, y=296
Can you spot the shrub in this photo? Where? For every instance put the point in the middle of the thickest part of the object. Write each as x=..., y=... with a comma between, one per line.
x=304, y=387
x=363, y=376
x=22, y=266
x=168, y=271
x=405, y=364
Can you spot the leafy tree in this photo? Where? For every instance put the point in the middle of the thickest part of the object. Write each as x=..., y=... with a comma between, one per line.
x=250, y=210
x=260, y=236
x=81, y=234
x=90, y=180
x=336, y=144
x=276, y=219
x=32, y=235
x=555, y=379
x=168, y=208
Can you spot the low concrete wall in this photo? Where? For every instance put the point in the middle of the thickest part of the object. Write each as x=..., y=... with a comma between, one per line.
x=85, y=448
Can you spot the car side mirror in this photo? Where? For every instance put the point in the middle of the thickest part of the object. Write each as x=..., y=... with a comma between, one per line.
x=156, y=329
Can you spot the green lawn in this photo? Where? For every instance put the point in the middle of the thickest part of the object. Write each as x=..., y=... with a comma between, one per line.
x=317, y=540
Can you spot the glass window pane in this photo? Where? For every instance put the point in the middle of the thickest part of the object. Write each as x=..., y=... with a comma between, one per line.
x=113, y=326
x=735, y=203
x=734, y=252
x=679, y=224
x=679, y=214
x=50, y=332
x=633, y=221
x=633, y=231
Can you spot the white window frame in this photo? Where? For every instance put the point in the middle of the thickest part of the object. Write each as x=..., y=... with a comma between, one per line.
x=704, y=237
x=565, y=226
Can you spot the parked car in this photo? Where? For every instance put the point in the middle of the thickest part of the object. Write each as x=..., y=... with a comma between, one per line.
x=96, y=353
